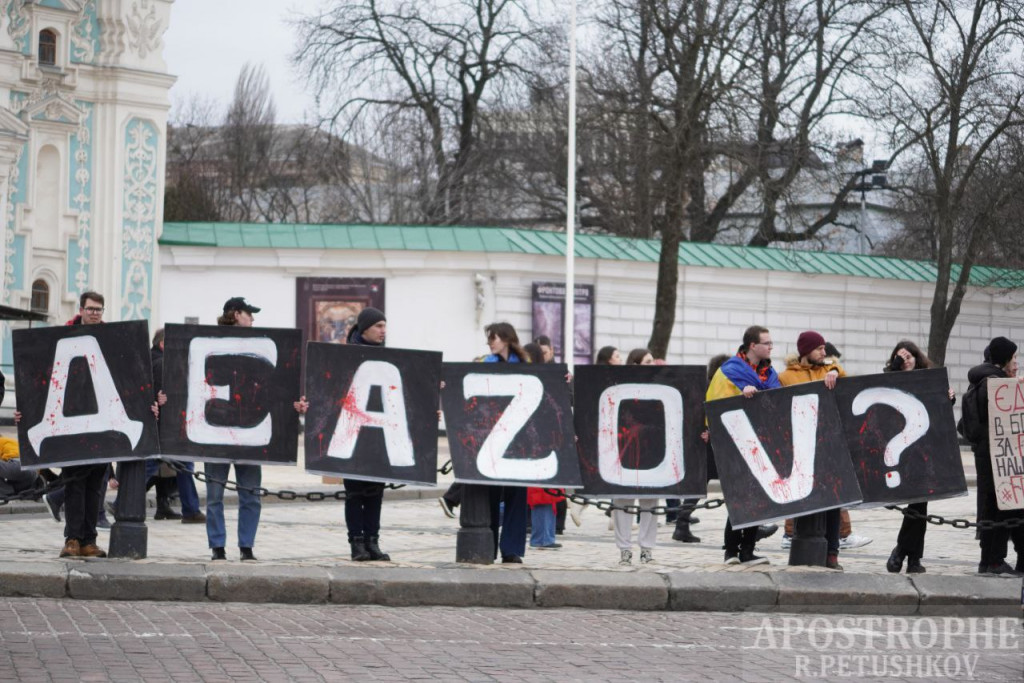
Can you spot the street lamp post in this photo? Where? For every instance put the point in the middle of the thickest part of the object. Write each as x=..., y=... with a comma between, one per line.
x=872, y=178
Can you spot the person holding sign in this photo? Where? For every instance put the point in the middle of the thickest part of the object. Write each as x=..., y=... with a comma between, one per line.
x=83, y=492
x=907, y=356
x=747, y=373
x=622, y=521
x=509, y=501
x=810, y=366
x=364, y=499
x=1002, y=362
x=248, y=477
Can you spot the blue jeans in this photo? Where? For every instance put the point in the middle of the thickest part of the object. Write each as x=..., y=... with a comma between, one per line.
x=249, y=504
x=187, y=491
x=511, y=519
x=543, y=522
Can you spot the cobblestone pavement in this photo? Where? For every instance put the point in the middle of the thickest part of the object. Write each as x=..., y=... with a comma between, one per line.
x=46, y=640
x=417, y=534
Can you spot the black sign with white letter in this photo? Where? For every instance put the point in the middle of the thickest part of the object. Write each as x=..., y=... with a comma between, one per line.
x=781, y=453
x=902, y=436
x=372, y=412
x=230, y=392
x=510, y=423
x=85, y=394
x=639, y=430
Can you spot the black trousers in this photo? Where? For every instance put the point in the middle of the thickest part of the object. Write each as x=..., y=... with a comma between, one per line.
x=362, y=508
x=993, y=542
x=911, y=536
x=83, y=495
x=739, y=539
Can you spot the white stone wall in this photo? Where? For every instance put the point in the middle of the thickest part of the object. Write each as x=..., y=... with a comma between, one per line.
x=430, y=299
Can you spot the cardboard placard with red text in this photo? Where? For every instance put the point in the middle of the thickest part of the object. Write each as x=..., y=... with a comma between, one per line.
x=1006, y=439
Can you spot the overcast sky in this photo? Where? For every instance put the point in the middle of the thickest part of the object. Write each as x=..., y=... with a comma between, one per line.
x=208, y=41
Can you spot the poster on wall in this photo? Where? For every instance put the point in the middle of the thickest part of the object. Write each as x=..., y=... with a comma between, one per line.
x=549, y=319
x=326, y=308
x=1006, y=440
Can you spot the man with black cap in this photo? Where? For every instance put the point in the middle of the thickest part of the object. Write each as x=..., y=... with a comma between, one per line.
x=1001, y=361
x=237, y=312
x=248, y=477
x=365, y=498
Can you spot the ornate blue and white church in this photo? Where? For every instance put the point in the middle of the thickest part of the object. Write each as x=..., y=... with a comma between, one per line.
x=83, y=117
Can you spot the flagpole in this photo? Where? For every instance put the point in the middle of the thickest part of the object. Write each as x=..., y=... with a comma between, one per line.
x=568, y=334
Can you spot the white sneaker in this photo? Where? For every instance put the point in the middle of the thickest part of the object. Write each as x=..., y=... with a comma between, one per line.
x=646, y=556
x=787, y=542
x=625, y=557
x=854, y=541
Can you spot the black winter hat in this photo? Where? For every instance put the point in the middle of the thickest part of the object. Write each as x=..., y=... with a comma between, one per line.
x=368, y=317
x=1001, y=349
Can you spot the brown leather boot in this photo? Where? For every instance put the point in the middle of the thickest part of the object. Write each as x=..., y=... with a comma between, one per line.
x=91, y=550
x=71, y=548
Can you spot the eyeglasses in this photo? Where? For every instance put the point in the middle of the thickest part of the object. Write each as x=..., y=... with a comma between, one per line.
x=768, y=344
x=93, y=309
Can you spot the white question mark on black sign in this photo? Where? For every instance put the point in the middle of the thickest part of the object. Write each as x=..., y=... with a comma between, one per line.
x=913, y=412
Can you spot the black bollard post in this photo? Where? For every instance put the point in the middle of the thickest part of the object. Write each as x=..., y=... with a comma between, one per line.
x=809, y=546
x=474, y=543
x=128, y=534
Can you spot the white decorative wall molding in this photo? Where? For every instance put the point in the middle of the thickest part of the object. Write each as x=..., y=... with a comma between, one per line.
x=139, y=209
x=144, y=28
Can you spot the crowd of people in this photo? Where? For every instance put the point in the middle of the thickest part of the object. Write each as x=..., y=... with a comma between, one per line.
x=522, y=513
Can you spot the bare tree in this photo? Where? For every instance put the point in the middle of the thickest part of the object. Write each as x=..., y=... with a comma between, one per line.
x=953, y=92
x=435, y=63
x=810, y=55
x=662, y=70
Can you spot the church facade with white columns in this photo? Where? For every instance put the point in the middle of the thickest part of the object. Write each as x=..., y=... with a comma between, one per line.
x=83, y=121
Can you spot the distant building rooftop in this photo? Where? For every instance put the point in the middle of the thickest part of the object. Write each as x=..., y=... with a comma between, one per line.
x=520, y=241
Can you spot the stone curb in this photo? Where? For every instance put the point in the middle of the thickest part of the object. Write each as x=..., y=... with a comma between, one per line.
x=459, y=586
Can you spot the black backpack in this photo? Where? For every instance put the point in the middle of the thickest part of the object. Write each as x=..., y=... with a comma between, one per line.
x=971, y=425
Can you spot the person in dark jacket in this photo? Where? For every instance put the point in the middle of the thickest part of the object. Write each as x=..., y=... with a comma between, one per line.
x=1002, y=355
x=186, y=485
x=907, y=356
x=364, y=499
x=503, y=342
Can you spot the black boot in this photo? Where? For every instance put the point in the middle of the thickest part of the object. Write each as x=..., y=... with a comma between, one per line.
x=376, y=554
x=914, y=565
x=359, y=552
x=164, y=489
x=682, y=532
x=895, y=562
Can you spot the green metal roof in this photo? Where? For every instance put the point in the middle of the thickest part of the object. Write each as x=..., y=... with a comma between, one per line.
x=519, y=241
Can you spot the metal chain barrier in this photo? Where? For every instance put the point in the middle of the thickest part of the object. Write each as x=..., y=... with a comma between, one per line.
x=602, y=505
x=984, y=524
x=37, y=492
x=262, y=491
x=607, y=505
